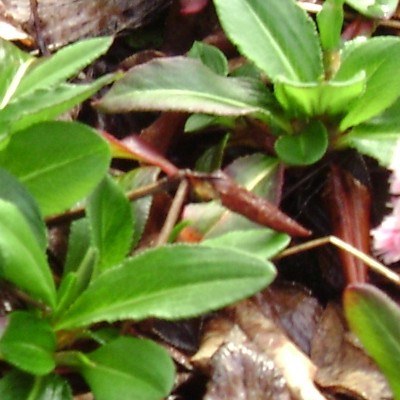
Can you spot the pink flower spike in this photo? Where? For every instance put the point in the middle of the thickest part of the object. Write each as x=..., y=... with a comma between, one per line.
x=386, y=239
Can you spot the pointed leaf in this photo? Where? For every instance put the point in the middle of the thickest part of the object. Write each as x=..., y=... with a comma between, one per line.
x=13, y=191
x=378, y=58
x=169, y=282
x=62, y=65
x=263, y=243
x=128, y=368
x=28, y=343
x=181, y=84
x=280, y=38
x=110, y=218
x=376, y=137
x=304, y=148
x=375, y=319
x=330, y=23
x=22, y=261
x=17, y=385
x=64, y=163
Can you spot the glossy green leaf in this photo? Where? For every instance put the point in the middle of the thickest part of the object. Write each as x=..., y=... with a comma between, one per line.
x=319, y=98
x=375, y=319
x=17, y=385
x=169, y=282
x=181, y=84
x=132, y=181
x=277, y=35
x=376, y=137
x=13, y=66
x=110, y=217
x=374, y=8
x=64, y=163
x=263, y=243
x=330, y=22
x=28, y=343
x=128, y=368
x=22, y=261
x=378, y=58
x=48, y=103
x=13, y=191
x=305, y=147
x=210, y=56
x=64, y=64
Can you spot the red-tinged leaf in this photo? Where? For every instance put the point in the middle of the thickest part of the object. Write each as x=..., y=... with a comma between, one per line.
x=255, y=208
x=349, y=206
x=375, y=319
x=192, y=6
x=134, y=148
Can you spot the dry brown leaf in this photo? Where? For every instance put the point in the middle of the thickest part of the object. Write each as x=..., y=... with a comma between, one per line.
x=253, y=358
x=343, y=366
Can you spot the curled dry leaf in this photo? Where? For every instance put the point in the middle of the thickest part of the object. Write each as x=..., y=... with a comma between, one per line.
x=255, y=208
x=252, y=357
x=343, y=366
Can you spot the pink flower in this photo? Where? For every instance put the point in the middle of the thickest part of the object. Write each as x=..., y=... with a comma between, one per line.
x=386, y=237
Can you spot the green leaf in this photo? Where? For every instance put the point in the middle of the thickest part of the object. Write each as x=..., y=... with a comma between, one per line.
x=376, y=137
x=22, y=261
x=28, y=343
x=210, y=56
x=79, y=243
x=181, y=84
x=128, y=368
x=212, y=158
x=13, y=65
x=17, y=385
x=277, y=35
x=74, y=283
x=13, y=191
x=64, y=64
x=48, y=103
x=375, y=319
x=110, y=217
x=378, y=58
x=374, y=8
x=169, y=282
x=263, y=243
x=319, y=98
x=64, y=163
x=131, y=181
x=197, y=122
x=305, y=147
x=330, y=22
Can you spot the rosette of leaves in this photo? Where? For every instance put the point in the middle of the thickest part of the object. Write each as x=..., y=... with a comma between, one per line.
x=325, y=94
